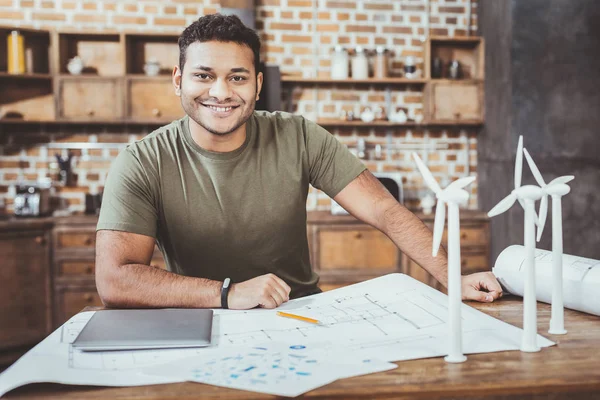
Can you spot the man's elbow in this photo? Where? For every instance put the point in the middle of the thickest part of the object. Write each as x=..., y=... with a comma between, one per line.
x=108, y=288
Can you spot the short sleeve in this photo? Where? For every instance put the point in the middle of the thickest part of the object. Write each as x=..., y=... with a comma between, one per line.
x=331, y=165
x=128, y=202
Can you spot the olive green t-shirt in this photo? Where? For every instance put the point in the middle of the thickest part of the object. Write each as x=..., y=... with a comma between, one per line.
x=238, y=214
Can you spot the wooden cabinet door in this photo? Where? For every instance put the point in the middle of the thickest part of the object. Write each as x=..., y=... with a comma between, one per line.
x=90, y=99
x=456, y=102
x=25, y=293
x=355, y=248
x=153, y=100
x=70, y=301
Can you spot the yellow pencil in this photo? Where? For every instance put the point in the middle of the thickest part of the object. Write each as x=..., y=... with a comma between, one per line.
x=301, y=318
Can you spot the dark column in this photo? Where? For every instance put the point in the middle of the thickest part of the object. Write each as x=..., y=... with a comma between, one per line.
x=543, y=82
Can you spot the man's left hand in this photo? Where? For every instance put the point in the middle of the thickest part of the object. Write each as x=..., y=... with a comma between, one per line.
x=481, y=286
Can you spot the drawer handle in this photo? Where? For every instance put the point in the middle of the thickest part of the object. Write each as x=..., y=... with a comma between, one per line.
x=40, y=240
x=89, y=269
x=89, y=241
x=156, y=112
x=90, y=112
x=358, y=235
x=463, y=263
x=88, y=298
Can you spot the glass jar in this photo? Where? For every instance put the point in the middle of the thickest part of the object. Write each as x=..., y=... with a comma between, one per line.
x=360, y=64
x=15, y=44
x=381, y=63
x=339, y=63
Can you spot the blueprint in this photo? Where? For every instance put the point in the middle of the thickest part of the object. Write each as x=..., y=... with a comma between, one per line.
x=273, y=368
x=581, y=277
x=390, y=318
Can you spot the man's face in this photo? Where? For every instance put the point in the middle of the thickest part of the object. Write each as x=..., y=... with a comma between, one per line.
x=218, y=86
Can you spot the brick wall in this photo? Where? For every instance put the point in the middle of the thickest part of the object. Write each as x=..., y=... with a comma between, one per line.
x=298, y=35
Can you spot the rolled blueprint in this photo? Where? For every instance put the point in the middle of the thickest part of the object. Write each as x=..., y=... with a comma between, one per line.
x=581, y=278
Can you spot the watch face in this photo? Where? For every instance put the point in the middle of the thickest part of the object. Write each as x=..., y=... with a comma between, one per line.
x=226, y=282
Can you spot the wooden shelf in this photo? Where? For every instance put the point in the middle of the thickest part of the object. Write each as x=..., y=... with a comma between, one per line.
x=4, y=75
x=456, y=39
x=160, y=78
x=456, y=81
x=371, y=81
x=339, y=122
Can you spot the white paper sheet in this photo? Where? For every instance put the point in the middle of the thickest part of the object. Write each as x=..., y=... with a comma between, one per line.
x=390, y=318
x=272, y=368
x=581, y=278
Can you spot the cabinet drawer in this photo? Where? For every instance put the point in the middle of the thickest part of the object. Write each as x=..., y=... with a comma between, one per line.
x=153, y=100
x=474, y=262
x=76, y=268
x=456, y=101
x=357, y=248
x=72, y=302
x=76, y=239
x=470, y=236
x=89, y=99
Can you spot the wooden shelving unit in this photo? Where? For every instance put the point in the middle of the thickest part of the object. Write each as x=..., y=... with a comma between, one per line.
x=114, y=89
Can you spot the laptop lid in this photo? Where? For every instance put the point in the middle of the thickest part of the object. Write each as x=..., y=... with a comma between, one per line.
x=146, y=329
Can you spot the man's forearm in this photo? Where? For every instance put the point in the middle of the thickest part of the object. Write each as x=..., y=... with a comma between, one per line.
x=411, y=235
x=138, y=285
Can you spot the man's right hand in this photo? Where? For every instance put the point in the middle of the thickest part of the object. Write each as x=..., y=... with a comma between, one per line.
x=267, y=291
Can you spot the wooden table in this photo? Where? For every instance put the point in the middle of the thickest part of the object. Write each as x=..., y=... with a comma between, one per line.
x=570, y=370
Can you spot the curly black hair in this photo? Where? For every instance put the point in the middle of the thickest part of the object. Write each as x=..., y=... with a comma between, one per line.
x=221, y=28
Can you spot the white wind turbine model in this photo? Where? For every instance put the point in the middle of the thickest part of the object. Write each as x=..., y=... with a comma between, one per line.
x=453, y=195
x=556, y=188
x=527, y=196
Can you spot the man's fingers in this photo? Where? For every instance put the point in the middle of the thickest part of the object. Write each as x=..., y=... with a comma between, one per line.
x=284, y=286
x=489, y=281
x=470, y=293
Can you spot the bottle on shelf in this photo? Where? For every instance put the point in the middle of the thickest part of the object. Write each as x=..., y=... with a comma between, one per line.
x=339, y=63
x=16, y=53
x=360, y=64
x=381, y=63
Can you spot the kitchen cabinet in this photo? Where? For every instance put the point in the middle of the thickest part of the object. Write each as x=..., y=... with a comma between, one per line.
x=345, y=251
x=74, y=255
x=25, y=297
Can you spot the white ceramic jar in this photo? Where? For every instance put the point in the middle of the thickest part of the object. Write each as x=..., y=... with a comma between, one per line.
x=339, y=63
x=360, y=64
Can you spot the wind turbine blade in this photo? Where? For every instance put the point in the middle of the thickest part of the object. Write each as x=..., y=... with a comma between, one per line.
x=504, y=205
x=461, y=183
x=438, y=226
x=561, y=179
x=427, y=176
x=534, y=169
x=519, y=163
x=542, y=216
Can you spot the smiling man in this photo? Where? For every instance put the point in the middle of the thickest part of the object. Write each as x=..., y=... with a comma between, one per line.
x=223, y=191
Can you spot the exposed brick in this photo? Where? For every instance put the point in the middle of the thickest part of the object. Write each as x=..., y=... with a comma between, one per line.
x=90, y=6
x=398, y=29
x=208, y=11
x=344, y=96
x=119, y=19
x=439, y=31
x=326, y=15
x=361, y=17
x=296, y=39
x=343, y=16
x=110, y=7
x=48, y=16
x=327, y=28
x=406, y=7
x=189, y=11
x=14, y=164
x=452, y=9
x=89, y=18
x=360, y=28
x=11, y=15
x=452, y=20
x=363, y=40
x=287, y=15
x=415, y=18
x=23, y=4
x=286, y=27
x=170, y=10
x=299, y=3
x=48, y=4
x=301, y=50
x=378, y=6
x=341, y=4
x=92, y=177
x=130, y=7
x=307, y=15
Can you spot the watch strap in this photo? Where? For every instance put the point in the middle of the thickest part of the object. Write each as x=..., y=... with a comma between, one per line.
x=225, y=293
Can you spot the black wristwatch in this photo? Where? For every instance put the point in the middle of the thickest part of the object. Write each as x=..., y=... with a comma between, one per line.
x=225, y=293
